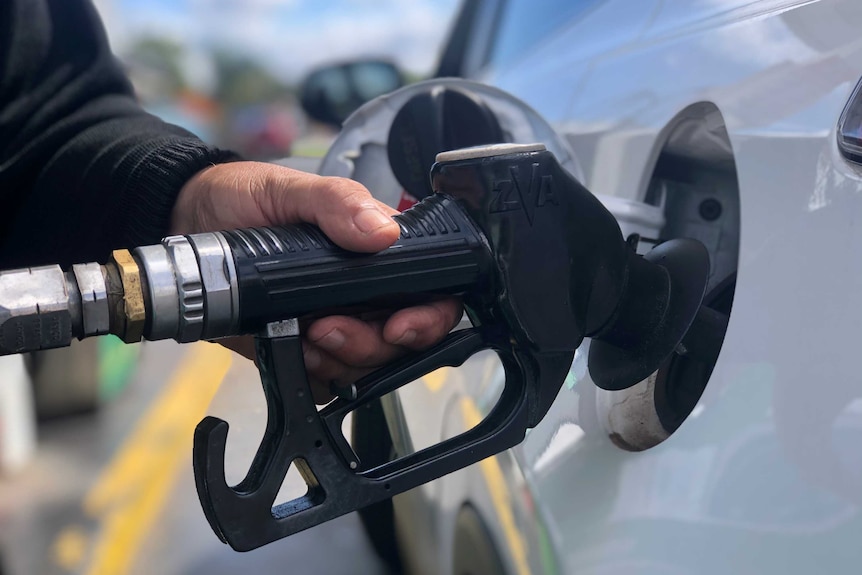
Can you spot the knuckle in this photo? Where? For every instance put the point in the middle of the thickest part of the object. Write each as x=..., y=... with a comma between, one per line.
x=345, y=190
x=433, y=319
x=449, y=312
x=366, y=356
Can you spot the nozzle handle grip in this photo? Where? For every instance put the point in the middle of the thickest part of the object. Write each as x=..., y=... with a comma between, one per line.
x=291, y=271
x=297, y=433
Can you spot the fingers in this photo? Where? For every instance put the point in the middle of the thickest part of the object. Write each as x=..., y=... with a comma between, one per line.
x=364, y=344
x=338, y=350
x=243, y=194
x=352, y=341
x=342, y=208
x=420, y=326
x=341, y=349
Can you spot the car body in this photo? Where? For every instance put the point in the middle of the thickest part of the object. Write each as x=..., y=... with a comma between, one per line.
x=668, y=105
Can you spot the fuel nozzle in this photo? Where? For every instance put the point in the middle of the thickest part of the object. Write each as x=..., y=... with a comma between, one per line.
x=568, y=272
x=660, y=303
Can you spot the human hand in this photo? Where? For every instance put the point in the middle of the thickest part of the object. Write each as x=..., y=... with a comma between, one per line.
x=337, y=349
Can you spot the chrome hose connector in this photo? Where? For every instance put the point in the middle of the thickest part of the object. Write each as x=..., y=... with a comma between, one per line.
x=218, y=275
x=161, y=287
x=191, y=286
x=93, y=291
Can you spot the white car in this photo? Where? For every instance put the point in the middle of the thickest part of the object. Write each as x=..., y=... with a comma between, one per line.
x=735, y=122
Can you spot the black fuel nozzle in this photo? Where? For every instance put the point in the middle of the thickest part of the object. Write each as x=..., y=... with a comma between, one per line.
x=566, y=271
x=540, y=264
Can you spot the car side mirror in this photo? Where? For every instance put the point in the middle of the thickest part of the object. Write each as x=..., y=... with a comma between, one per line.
x=331, y=93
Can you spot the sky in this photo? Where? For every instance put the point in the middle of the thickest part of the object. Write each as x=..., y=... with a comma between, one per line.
x=288, y=36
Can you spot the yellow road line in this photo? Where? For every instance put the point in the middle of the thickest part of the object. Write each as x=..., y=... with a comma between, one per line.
x=500, y=496
x=435, y=380
x=132, y=490
x=70, y=547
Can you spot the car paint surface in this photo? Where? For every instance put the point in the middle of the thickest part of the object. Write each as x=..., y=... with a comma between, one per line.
x=765, y=476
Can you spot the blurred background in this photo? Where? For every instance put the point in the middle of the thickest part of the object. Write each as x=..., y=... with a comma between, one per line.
x=231, y=70
x=95, y=439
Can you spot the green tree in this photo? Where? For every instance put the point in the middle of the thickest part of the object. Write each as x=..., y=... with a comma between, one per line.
x=242, y=82
x=162, y=56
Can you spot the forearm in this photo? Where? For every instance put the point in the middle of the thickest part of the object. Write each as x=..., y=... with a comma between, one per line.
x=83, y=169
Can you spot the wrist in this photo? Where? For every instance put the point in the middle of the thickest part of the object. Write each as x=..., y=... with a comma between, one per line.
x=186, y=210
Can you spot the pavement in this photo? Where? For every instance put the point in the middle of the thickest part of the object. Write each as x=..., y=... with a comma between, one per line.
x=112, y=493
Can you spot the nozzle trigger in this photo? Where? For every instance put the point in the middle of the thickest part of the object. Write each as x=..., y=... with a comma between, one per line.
x=296, y=432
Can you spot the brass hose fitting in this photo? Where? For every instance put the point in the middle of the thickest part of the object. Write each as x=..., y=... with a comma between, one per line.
x=133, y=314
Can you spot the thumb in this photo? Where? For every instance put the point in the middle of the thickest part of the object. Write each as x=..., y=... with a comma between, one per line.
x=342, y=208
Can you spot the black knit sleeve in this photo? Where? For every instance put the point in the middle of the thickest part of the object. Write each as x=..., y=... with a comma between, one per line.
x=83, y=169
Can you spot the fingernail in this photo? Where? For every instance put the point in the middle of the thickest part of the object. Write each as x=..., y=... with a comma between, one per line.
x=312, y=358
x=332, y=341
x=370, y=220
x=406, y=338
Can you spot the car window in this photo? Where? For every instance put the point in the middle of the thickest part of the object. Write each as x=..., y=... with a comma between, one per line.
x=525, y=23
x=372, y=79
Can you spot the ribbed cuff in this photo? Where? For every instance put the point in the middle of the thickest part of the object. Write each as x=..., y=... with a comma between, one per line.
x=158, y=174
